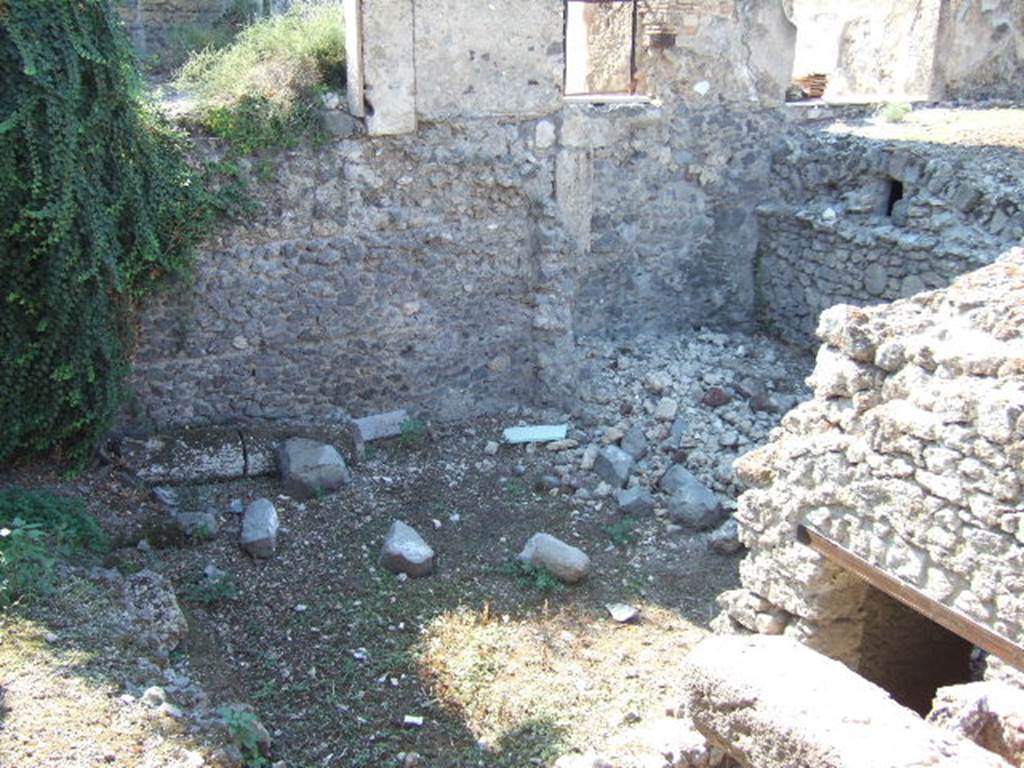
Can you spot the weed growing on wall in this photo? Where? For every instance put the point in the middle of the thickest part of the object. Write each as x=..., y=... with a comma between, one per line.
x=96, y=205
x=264, y=89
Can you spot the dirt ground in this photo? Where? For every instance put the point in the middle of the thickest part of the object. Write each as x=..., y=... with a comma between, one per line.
x=334, y=653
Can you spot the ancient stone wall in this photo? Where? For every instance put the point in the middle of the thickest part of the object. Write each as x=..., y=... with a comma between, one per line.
x=450, y=270
x=909, y=455
x=836, y=234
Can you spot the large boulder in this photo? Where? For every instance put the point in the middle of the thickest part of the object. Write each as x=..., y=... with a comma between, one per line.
x=309, y=468
x=259, y=529
x=635, y=501
x=563, y=561
x=405, y=551
x=692, y=504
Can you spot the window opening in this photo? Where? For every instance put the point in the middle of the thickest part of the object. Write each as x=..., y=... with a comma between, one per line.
x=600, y=47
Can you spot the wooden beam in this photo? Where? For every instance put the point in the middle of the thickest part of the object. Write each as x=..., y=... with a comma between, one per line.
x=956, y=622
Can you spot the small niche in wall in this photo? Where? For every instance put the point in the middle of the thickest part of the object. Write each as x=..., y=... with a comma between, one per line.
x=894, y=193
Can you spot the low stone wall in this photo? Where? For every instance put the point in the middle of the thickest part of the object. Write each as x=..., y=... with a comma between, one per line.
x=837, y=236
x=909, y=455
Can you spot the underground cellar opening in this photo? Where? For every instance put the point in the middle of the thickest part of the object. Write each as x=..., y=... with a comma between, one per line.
x=909, y=655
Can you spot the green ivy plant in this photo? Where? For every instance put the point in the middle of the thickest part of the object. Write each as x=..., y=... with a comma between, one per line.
x=97, y=204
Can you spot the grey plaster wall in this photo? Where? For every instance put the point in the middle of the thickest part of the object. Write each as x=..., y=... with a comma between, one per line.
x=829, y=238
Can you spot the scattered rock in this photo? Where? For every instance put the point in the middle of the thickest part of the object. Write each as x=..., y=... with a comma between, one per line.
x=166, y=496
x=692, y=504
x=561, y=445
x=380, y=426
x=666, y=409
x=634, y=442
x=309, y=468
x=614, y=465
x=563, y=561
x=491, y=449
x=154, y=696
x=725, y=539
x=658, y=382
x=198, y=524
x=340, y=124
x=259, y=529
x=715, y=397
x=153, y=609
x=405, y=551
x=635, y=501
x=696, y=508
x=589, y=457
x=622, y=613
x=675, y=478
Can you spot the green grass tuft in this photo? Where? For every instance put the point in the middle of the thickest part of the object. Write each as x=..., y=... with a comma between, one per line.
x=36, y=530
x=263, y=89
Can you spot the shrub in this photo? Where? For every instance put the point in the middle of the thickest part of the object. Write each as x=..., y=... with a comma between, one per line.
x=263, y=89
x=894, y=112
x=26, y=566
x=96, y=204
x=246, y=730
x=36, y=530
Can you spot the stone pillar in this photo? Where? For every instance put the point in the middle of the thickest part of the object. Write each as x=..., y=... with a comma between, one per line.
x=388, y=66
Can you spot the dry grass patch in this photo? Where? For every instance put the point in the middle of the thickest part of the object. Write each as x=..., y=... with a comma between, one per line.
x=579, y=673
x=63, y=662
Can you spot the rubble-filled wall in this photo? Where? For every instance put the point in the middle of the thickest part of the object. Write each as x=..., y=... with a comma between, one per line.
x=451, y=269
x=836, y=234
x=910, y=456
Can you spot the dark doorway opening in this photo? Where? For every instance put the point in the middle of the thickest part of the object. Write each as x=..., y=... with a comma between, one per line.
x=895, y=195
x=909, y=655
